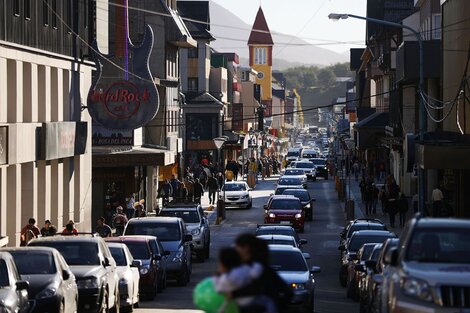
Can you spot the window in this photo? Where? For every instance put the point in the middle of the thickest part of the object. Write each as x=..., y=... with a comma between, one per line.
x=45, y=12
x=192, y=53
x=85, y=13
x=193, y=84
x=54, y=13
x=16, y=7
x=260, y=56
x=436, y=26
x=27, y=9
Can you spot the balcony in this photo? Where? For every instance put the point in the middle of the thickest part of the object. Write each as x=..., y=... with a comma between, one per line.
x=408, y=60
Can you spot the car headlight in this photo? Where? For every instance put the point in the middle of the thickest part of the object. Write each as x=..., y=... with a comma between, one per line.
x=296, y=286
x=298, y=215
x=49, y=292
x=245, y=197
x=88, y=283
x=416, y=288
x=144, y=270
x=195, y=232
x=272, y=215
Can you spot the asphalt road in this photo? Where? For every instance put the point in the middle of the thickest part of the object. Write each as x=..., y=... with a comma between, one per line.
x=322, y=235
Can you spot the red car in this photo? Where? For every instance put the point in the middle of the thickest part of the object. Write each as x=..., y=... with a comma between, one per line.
x=285, y=210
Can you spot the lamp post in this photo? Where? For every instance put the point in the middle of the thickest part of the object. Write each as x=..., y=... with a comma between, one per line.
x=422, y=111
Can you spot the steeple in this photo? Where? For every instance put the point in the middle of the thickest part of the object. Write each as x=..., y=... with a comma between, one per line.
x=260, y=33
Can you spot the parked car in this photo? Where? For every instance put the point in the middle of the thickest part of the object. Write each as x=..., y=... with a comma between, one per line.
x=266, y=229
x=13, y=290
x=305, y=199
x=172, y=233
x=308, y=168
x=196, y=224
x=289, y=183
x=290, y=263
x=366, y=284
x=279, y=240
x=285, y=210
x=429, y=270
x=147, y=249
x=352, y=245
x=354, y=274
x=52, y=286
x=320, y=166
x=237, y=194
x=94, y=268
x=360, y=224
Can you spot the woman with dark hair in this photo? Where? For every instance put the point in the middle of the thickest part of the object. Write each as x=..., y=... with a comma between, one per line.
x=269, y=284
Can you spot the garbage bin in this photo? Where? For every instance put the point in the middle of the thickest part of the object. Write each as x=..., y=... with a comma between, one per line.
x=350, y=210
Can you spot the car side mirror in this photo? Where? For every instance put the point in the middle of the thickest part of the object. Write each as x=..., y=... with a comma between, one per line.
x=165, y=253
x=188, y=238
x=136, y=263
x=342, y=248
x=106, y=262
x=303, y=241
x=265, y=206
x=22, y=285
x=306, y=255
x=391, y=257
x=315, y=269
x=359, y=268
x=65, y=275
x=378, y=279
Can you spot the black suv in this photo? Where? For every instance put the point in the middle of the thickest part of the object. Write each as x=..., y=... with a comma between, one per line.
x=429, y=269
x=94, y=268
x=275, y=229
x=172, y=233
x=360, y=224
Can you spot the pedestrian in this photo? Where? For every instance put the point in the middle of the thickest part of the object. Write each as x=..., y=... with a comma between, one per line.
x=189, y=185
x=403, y=207
x=213, y=186
x=48, y=229
x=376, y=199
x=175, y=186
x=362, y=187
x=369, y=197
x=356, y=170
x=119, y=221
x=139, y=210
x=220, y=180
x=70, y=229
x=167, y=191
x=198, y=191
x=383, y=199
x=183, y=193
x=270, y=284
x=130, y=210
x=415, y=203
x=103, y=229
x=392, y=202
x=437, y=201
x=29, y=232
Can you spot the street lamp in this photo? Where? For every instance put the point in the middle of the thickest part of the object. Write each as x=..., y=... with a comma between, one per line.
x=422, y=111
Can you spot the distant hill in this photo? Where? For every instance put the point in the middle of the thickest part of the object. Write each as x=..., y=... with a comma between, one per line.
x=299, y=52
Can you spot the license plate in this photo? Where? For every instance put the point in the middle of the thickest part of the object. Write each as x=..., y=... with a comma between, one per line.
x=285, y=222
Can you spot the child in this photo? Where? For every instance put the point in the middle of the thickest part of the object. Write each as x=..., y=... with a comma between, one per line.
x=233, y=274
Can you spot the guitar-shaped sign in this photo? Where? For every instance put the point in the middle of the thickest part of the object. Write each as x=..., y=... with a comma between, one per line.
x=123, y=95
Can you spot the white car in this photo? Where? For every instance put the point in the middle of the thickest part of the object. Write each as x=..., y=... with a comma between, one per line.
x=128, y=273
x=237, y=194
x=294, y=172
x=308, y=167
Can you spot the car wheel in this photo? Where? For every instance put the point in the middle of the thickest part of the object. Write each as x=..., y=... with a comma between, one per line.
x=343, y=276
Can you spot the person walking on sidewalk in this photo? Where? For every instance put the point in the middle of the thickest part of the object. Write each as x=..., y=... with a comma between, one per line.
x=392, y=201
x=362, y=186
x=403, y=206
x=437, y=201
x=212, y=186
x=376, y=199
x=383, y=199
x=198, y=191
x=369, y=197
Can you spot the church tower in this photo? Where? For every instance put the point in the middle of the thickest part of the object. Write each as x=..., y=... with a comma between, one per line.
x=261, y=45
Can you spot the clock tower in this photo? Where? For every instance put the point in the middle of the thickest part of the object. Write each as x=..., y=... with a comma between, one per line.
x=260, y=45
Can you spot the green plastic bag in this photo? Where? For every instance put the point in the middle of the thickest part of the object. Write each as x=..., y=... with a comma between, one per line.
x=207, y=299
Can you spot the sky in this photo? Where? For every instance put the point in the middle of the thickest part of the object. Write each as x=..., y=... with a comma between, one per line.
x=307, y=19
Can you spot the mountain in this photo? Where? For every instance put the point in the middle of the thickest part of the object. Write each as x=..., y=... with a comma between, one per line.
x=289, y=51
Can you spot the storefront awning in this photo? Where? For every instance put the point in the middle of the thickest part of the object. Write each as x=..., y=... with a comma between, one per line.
x=375, y=121
x=118, y=156
x=444, y=150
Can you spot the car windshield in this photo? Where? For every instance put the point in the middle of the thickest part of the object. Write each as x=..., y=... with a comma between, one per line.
x=287, y=261
x=163, y=231
x=118, y=255
x=34, y=262
x=284, y=204
x=234, y=187
x=189, y=217
x=280, y=242
x=357, y=227
x=303, y=195
x=290, y=181
x=440, y=245
x=293, y=172
x=4, y=280
x=318, y=161
x=139, y=250
x=74, y=252
x=309, y=155
x=357, y=241
x=367, y=252
x=276, y=231
x=304, y=165
x=375, y=254
x=293, y=153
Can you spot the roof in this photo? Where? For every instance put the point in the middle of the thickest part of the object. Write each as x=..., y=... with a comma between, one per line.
x=377, y=120
x=442, y=222
x=197, y=98
x=121, y=239
x=181, y=208
x=276, y=226
x=153, y=219
x=186, y=205
x=36, y=248
x=198, y=11
x=276, y=237
x=279, y=93
x=372, y=233
x=290, y=197
x=260, y=33
x=60, y=237
x=284, y=248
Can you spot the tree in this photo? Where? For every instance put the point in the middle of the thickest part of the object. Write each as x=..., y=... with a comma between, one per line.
x=326, y=77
